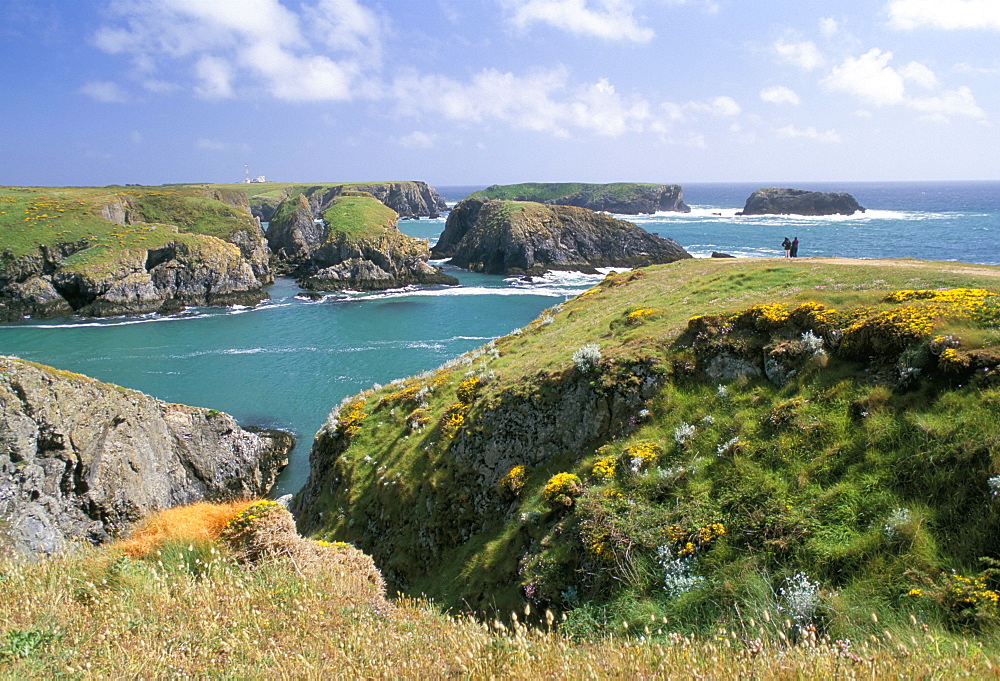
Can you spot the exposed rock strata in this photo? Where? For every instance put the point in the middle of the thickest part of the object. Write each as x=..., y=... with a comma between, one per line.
x=326, y=257
x=774, y=201
x=628, y=198
x=510, y=237
x=189, y=269
x=81, y=459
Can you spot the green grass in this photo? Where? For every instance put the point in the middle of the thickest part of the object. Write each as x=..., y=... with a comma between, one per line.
x=554, y=191
x=358, y=217
x=53, y=216
x=818, y=468
x=190, y=610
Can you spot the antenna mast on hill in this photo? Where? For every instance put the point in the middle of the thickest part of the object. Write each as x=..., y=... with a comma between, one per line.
x=246, y=173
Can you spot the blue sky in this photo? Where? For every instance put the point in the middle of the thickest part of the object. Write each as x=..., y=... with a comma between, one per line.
x=498, y=91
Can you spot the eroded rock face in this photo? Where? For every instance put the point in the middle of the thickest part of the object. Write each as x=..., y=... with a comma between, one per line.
x=324, y=258
x=511, y=237
x=81, y=459
x=774, y=201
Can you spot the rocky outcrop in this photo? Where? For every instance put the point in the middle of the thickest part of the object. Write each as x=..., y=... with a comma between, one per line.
x=628, y=198
x=144, y=251
x=82, y=460
x=512, y=237
x=774, y=201
x=354, y=244
x=193, y=270
x=408, y=199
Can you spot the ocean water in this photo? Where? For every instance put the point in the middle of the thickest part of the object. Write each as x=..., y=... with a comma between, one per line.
x=289, y=361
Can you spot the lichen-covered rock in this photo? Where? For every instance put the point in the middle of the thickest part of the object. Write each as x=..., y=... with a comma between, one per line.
x=513, y=237
x=800, y=202
x=81, y=459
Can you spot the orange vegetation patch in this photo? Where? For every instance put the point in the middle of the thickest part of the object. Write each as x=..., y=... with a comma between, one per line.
x=195, y=522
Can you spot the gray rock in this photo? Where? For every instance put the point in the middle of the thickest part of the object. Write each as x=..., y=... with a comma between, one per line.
x=799, y=202
x=82, y=460
x=512, y=237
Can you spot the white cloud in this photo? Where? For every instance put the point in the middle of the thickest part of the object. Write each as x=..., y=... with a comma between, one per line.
x=828, y=26
x=779, y=94
x=919, y=74
x=317, y=53
x=871, y=79
x=417, y=140
x=958, y=102
x=792, y=132
x=609, y=20
x=949, y=15
x=210, y=144
x=104, y=91
x=804, y=55
x=214, y=76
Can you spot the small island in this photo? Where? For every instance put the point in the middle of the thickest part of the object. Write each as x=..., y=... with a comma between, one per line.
x=521, y=237
x=775, y=201
x=624, y=198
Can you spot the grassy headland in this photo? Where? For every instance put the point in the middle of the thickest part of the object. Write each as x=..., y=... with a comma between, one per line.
x=708, y=443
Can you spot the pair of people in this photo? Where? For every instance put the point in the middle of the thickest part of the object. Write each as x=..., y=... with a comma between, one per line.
x=791, y=247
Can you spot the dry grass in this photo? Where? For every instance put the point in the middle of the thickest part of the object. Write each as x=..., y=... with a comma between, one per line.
x=103, y=614
x=195, y=522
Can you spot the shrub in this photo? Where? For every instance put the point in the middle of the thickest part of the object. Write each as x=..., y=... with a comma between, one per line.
x=561, y=489
x=514, y=480
x=587, y=358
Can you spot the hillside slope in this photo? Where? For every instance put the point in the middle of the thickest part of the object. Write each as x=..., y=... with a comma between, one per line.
x=702, y=441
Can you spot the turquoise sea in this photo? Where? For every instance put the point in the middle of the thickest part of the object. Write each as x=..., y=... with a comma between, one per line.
x=288, y=362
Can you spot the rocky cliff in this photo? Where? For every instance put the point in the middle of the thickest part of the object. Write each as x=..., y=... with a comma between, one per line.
x=354, y=243
x=656, y=443
x=800, y=202
x=514, y=237
x=408, y=199
x=629, y=198
x=81, y=459
x=134, y=251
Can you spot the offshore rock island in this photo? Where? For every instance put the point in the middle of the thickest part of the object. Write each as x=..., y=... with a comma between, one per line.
x=84, y=460
x=774, y=201
x=498, y=236
x=627, y=198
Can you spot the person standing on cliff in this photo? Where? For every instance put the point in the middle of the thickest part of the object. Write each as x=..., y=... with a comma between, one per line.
x=787, y=245
x=795, y=248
